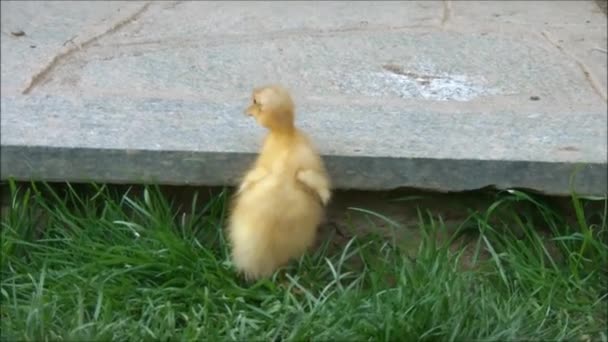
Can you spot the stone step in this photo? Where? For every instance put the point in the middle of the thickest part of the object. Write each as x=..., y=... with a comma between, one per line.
x=445, y=96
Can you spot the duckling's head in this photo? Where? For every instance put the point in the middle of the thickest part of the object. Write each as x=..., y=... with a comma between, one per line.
x=272, y=107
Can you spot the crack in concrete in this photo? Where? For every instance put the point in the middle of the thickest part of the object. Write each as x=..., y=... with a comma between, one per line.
x=174, y=4
x=447, y=12
x=597, y=88
x=600, y=50
x=165, y=43
x=44, y=74
x=273, y=35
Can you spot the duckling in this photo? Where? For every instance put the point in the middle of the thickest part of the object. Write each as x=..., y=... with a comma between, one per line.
x=280, y=202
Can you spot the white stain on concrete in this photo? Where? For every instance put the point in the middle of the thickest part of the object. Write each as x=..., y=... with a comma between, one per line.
x=437, y=88
x=421, y=82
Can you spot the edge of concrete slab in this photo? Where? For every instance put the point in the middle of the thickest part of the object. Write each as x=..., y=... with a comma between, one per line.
x=25, y=163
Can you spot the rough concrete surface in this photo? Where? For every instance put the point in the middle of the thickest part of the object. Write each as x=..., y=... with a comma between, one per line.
x=441, y=95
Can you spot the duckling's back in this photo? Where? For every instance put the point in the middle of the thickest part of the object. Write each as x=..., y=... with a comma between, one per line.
x=276, y=219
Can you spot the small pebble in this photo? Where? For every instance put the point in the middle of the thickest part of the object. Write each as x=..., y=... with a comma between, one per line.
x=534, y=98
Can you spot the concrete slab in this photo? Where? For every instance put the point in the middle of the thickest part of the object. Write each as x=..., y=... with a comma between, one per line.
x=446, y=96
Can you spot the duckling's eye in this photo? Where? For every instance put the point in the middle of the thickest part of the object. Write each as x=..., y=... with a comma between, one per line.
x=255, y=102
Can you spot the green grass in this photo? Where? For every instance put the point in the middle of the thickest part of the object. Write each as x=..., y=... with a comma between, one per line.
x=103, y=265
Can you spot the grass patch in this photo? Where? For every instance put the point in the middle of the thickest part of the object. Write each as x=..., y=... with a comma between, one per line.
x=101, y=265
